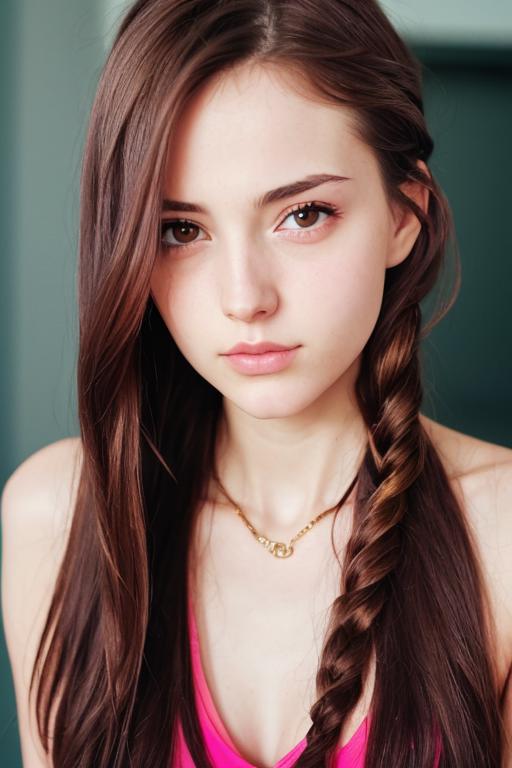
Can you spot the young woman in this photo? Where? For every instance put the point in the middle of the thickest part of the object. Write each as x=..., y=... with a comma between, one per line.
x=262, y=553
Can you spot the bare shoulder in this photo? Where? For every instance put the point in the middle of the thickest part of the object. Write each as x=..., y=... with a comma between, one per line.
x=481, y=472
x=37, y=503
x=466, y=456
x=42, y=486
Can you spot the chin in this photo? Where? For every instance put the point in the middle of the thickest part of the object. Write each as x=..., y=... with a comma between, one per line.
x=273, y=401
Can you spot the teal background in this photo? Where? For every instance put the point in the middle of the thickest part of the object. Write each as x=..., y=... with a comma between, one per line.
x=51, y=56
x=468, y=360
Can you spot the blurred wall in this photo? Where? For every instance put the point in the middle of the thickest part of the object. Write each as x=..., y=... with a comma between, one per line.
x=468, y=356
x=453, y=21
x=53, y=57
x=9, y=750
x=52, y=53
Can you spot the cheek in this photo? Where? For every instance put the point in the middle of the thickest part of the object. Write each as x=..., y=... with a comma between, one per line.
x=345, y=293
x=183, y=305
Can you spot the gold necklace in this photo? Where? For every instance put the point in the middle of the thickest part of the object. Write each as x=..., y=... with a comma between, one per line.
x=279, y=548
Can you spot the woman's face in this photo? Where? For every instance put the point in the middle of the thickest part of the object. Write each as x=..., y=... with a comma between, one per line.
x=244, y=272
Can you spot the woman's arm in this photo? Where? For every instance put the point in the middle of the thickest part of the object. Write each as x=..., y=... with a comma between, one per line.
x=36, y=503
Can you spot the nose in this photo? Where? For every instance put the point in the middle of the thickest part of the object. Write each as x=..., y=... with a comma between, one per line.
x=247, y=286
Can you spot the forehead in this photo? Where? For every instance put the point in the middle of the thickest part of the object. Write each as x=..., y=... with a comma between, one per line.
x=258, y=124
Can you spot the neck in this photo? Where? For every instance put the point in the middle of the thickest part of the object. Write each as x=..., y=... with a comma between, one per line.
x=282, y=472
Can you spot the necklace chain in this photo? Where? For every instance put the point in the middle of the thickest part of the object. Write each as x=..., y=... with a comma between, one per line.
x=278, y=548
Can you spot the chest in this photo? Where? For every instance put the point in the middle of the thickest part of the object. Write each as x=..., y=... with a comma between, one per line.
x=261, y=623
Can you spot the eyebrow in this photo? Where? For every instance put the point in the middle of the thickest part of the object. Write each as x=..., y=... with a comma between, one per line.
x=280, y=193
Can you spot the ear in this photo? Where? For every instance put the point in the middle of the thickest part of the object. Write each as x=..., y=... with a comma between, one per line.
x=405, y=223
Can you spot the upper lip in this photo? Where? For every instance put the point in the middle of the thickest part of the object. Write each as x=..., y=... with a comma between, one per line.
x=256, y=349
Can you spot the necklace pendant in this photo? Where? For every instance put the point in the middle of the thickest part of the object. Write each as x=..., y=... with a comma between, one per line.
x=282, y=550
x=276, y=548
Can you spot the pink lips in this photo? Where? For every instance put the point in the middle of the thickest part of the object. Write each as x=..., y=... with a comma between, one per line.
x=264, y=357
x=256, y=349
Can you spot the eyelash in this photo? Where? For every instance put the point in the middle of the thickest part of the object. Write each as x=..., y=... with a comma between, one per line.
x=330, y=210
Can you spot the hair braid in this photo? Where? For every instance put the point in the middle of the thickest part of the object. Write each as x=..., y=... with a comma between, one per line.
x=390, y=402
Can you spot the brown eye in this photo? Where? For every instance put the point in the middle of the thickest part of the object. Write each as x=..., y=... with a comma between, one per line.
x=183, y=231
x=306, y=216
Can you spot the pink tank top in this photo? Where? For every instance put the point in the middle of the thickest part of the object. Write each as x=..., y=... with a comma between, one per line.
x=220, y=746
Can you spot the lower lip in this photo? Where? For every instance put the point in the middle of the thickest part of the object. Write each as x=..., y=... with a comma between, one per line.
x=266, y=362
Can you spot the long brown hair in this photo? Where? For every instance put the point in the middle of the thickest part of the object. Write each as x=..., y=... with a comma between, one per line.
x=114, y=660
